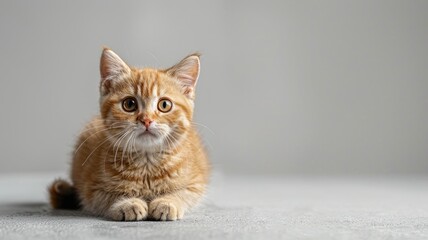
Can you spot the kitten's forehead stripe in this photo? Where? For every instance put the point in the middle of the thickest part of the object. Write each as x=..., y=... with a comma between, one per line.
x=148, y=82
x=152, y=89
x=158, y=88
x=139, y=91
x=136, y=81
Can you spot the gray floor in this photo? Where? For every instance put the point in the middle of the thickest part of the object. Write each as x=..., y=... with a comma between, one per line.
x=238, y=208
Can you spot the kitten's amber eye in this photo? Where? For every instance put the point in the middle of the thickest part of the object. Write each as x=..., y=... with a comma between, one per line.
x=164, y=105
x=129, y=104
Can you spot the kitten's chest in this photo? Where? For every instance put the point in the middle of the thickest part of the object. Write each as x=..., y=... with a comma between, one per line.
x=149, y=181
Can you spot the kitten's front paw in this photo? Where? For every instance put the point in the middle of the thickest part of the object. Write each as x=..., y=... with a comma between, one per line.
x=129, y=209
x=162, y=209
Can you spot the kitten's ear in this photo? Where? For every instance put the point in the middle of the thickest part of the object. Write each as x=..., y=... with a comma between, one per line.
x=112, y=69
x=187, y=73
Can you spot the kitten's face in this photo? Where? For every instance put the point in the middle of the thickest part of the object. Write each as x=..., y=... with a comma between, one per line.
x=147, y=109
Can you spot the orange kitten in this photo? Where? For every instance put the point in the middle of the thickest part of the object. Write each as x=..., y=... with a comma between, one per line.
x=141, y=157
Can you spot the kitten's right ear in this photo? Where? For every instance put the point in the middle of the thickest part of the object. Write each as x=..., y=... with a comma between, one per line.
x=112, y=69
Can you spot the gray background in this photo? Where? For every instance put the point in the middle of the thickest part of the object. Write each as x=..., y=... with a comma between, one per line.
x=287, y=87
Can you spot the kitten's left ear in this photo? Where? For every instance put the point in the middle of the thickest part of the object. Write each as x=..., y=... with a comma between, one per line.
x=187, y=73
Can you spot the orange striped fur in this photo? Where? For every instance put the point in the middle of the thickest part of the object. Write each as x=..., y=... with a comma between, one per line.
x=123, y=170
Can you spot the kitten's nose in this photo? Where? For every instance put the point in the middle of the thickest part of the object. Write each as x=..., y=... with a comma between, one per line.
x=146, y=122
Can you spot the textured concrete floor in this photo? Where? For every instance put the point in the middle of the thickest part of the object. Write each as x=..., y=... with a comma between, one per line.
x=238, y=208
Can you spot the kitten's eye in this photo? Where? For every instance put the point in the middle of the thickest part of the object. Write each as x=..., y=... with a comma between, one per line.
x=129, y=104
x=164, y=105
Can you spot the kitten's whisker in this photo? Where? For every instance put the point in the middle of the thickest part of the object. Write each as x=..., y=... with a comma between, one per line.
x=78, y=148
x=192, y=143
x=137, y=151
x=202, y=125
x=103, y=126
x=126, y=146
x=169, y=141
x=181, y=140
x=166, y=137
x=116, y=143
x=114, y=146
x=207, y=141
x=99, y=146
x=133, y=149
x=172, y=141
x=105, y=120
x=118, y=146
x=128, y=156
x=129, y=152
x=107, y=153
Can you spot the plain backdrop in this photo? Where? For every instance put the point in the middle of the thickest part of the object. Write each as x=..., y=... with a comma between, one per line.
x=287, y=87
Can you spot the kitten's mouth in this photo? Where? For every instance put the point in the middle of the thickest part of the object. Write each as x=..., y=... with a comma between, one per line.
x=147, y=133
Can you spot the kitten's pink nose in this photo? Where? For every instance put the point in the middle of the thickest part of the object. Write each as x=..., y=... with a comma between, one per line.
x=146, y=122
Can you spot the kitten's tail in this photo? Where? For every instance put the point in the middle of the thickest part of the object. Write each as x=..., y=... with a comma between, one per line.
x=63, y=195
